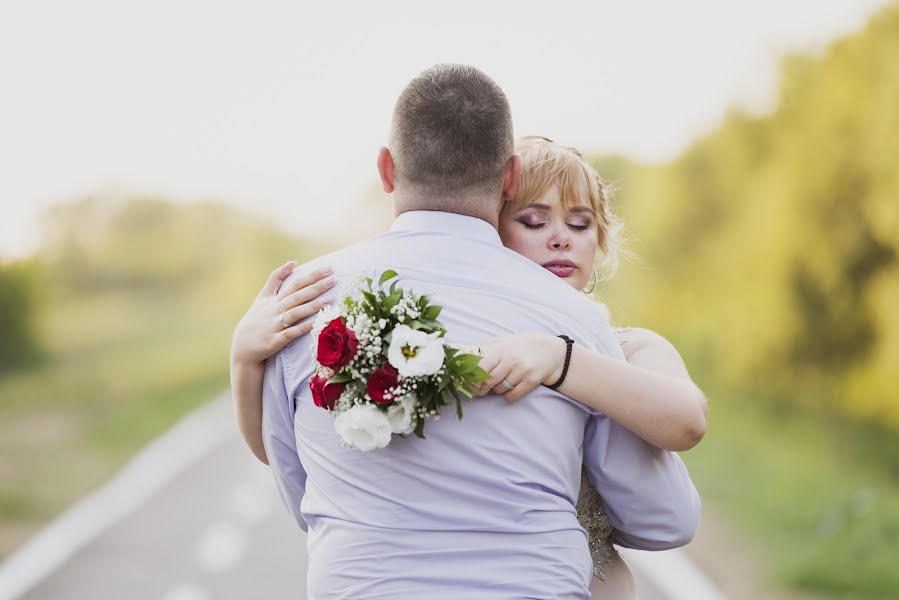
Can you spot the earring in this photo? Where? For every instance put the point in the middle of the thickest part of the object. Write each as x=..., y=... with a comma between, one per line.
x=595, y=281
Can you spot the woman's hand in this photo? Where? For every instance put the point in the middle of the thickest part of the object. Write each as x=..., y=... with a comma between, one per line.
x=271, y=322
x=524, y=360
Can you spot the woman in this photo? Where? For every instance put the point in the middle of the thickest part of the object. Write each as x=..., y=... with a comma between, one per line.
x=560, y=218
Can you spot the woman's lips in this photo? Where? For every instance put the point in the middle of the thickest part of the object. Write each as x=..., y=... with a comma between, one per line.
x=560, y=270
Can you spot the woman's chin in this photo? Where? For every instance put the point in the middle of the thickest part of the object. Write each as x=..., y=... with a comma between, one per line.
x=570, y=277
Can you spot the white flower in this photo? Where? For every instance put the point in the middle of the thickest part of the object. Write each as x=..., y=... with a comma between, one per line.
x=363, y=426
x=414, y=353
x=325, y=316
x=401, y=415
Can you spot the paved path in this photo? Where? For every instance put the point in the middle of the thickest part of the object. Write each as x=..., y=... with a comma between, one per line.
x=216, y=530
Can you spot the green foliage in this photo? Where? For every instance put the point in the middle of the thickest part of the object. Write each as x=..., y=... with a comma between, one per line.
x=806, y=490
x=774, y=240
x=18, y=308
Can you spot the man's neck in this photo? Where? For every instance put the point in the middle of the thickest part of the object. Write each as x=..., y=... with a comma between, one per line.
x=479, y=206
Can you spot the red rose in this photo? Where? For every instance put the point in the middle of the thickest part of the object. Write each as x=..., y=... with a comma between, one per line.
x=336, y=345
x=325, y=394
x=380, y=381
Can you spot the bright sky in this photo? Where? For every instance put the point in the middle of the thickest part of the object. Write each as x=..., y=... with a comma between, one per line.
x=280, y=107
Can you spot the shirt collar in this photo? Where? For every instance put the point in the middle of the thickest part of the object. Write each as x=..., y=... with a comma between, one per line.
x=446, y=222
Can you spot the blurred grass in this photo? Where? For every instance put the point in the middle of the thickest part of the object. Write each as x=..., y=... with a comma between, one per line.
x=805, y=489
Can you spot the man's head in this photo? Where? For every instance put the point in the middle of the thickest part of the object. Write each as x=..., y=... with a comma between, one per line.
x=451, y=143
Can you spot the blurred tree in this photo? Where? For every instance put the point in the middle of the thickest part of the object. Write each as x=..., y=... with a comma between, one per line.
x=775, y=239
x=141, y=243
x=18, y=342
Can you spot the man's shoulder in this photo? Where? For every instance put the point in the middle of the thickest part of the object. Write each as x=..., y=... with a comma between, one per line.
x=347, y=257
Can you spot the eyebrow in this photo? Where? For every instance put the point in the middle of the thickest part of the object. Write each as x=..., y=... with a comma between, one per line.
x=577, y=209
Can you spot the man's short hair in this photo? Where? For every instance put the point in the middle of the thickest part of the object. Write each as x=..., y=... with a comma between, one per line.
x=452, y=132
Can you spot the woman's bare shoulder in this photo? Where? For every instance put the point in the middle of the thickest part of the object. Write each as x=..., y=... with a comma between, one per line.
x=635, y=338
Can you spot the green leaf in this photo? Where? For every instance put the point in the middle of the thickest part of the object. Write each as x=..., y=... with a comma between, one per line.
x=465, y=392
x=432, y=312
x=467, y=362
x=341, y=378
x=477, y=375
x=425, y=324
x=387, y=276
x=458, y=403
x=371, y=299
x=420, y=428
x=392, y=300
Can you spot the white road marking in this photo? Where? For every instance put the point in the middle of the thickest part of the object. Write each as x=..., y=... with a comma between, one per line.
x=186, y=592
x=251, y=501
x=221, y=547
x=673, y=574
x=148, y=472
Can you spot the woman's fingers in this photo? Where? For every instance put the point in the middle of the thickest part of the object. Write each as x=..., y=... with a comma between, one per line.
x=293, y=332
x=499, y=373
x=276, y=277
x=488, y=363
x=296, y=314
x=315, y=285
x=523, y=387
x=304, y=280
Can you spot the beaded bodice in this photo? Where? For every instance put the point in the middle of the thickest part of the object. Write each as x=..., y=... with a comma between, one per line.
x=592, y=514
x=593, y=517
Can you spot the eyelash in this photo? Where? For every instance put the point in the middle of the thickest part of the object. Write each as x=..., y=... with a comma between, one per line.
x=538, y=226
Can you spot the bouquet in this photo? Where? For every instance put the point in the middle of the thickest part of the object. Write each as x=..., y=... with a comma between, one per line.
x=382, y=365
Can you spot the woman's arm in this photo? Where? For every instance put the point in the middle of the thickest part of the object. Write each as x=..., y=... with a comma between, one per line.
x=246, y=390
x=261, y=333
x=651, y=394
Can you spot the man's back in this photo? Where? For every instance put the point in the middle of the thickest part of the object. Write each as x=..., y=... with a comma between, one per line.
x=484, y=506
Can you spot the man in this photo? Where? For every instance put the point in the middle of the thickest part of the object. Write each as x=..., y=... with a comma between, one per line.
x=484, y=507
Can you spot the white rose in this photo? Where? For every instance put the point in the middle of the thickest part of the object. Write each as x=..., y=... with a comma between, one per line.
x=414, y=353
x=401, y=415
x=363, y=426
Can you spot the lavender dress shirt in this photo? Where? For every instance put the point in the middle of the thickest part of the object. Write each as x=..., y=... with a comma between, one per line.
x=484, y=507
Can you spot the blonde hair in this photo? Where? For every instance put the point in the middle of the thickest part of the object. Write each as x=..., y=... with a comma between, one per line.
x=544, y=164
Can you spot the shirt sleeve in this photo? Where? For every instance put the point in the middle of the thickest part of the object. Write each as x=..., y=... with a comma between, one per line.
x=278, y=407
x=647, y=492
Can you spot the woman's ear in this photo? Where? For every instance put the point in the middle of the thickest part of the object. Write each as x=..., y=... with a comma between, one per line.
x=385, y=169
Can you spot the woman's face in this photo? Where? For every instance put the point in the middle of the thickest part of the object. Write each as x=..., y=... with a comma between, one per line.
x=561, y=240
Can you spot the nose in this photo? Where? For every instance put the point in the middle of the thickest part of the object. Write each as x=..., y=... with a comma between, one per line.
x=560, y=240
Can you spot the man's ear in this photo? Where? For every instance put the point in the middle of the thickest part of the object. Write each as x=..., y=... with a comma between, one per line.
x=385, y=169
x=511, y=176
